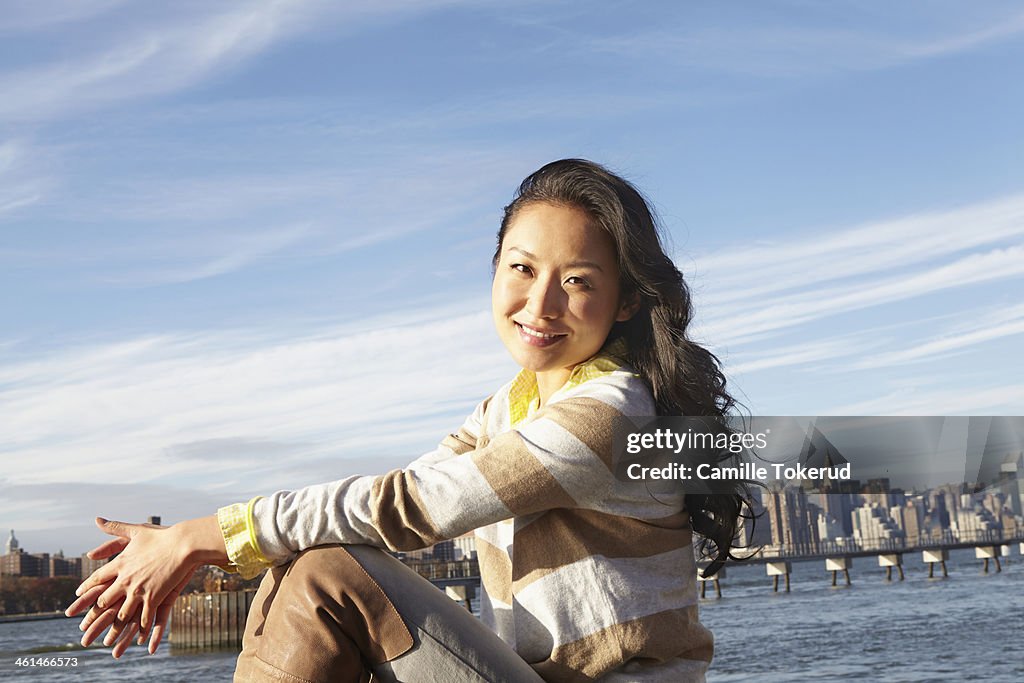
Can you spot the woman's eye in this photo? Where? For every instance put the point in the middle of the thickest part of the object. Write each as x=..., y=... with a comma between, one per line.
x=578, y=281
x=522, y=268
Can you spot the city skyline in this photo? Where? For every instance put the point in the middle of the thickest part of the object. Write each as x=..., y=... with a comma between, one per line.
x=795, y=519
x=246, y=247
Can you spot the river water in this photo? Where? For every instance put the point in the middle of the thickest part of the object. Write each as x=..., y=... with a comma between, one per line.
x=966, y=626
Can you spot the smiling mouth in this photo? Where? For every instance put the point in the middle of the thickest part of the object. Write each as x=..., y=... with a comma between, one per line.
x=536, y=337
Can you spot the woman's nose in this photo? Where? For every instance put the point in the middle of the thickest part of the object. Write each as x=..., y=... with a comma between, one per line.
x=546, y=299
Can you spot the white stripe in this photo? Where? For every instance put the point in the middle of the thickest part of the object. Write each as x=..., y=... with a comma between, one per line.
x=457, y=496
x=610, y=591
x=623, y=391
x=578, y=469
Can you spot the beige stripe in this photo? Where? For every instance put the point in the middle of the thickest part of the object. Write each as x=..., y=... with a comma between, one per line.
x=590, y=421
x=520, y=480
x=654, y=638
x=399, y=513
x=460, y=442
x=495, y=571
x=562, y=537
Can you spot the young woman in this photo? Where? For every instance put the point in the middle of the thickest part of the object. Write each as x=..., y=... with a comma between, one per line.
x=585, y=575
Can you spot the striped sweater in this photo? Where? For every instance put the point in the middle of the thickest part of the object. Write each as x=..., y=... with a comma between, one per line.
x=586, y=576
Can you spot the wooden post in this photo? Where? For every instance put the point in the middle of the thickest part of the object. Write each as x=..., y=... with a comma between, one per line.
x=210, y=620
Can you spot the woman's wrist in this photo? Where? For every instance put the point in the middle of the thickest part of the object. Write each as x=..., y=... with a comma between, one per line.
x=203, y=540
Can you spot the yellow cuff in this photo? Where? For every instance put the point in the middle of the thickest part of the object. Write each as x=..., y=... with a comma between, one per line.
x=236, y=524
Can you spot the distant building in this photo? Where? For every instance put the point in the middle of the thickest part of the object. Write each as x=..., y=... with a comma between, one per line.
x=12, y=544
x=443, y=551
x=912, y=519
x=1011, y=482
x=20, y=563
x=873, y=525
x=793, y=520
x=465, y=546
x=61, y=566
x=87, y=566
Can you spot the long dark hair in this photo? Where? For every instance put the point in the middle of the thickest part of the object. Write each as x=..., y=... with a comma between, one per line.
x=685, y=378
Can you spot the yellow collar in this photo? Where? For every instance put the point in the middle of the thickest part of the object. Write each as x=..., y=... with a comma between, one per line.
x=524, y=396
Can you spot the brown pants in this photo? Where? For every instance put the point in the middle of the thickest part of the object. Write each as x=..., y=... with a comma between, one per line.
x=344, y=613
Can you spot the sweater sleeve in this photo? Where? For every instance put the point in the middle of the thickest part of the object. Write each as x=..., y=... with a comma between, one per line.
x=560, y=458
x=238, y=523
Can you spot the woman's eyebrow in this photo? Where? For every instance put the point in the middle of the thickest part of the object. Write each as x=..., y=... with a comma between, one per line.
x=574, y=264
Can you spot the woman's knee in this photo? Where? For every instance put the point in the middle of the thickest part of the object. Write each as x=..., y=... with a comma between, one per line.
x=317, y=561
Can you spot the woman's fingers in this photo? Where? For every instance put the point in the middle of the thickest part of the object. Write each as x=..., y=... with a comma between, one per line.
x=146, y=622
x=116, y=629
x=98, y=626
x=84, y=602
x=133, y=601
x=125, y=640
x=104, y=575
x=111, y=597
x=123, y=529
x=111, y=547
x=92, y=615
x=162, y=615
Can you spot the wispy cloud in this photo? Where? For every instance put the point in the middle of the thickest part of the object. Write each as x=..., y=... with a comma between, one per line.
x=829, y=254
x=242, y=251
x=152, y=53
x=44, y=14
x=915, y=399
x=785, y=50
x=21, y=184
x=996, y=325
x=162, y=230
x=750, y=291
x=141, y=410
x=802, y=354
x=803, y=307
x=147, y=59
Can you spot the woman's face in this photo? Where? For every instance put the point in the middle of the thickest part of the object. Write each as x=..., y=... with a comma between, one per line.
x=556, y=289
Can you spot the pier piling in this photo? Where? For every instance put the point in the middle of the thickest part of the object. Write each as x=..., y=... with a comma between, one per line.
x=720, y=574
x=777, y=569
x=931, y=557
x=889, y=561
x=462, y=592
x=837, y=564
x=988, y=552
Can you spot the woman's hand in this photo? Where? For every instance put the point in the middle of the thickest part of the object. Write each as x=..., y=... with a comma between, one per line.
x=121, y=633
x=152, y=568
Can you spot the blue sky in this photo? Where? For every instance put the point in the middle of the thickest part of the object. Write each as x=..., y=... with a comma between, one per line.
x=245, y=246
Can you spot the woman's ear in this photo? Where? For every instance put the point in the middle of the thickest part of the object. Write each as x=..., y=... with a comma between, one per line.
x=630, y=305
